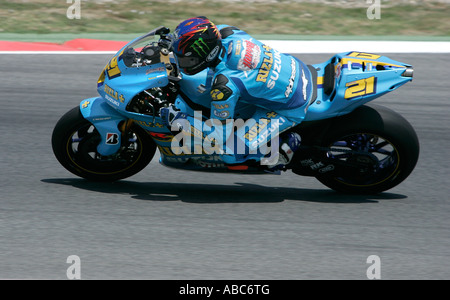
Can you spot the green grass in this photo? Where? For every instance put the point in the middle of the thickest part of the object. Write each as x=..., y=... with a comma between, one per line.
x=278, y=19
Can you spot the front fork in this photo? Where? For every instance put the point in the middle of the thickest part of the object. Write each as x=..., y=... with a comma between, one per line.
x=108, y=122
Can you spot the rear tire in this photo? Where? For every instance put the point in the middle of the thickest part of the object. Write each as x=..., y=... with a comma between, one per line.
x=74, y=143
x=387, y=145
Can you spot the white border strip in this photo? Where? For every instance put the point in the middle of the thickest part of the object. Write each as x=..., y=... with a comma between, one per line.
x=364, y=46
x=298, y=47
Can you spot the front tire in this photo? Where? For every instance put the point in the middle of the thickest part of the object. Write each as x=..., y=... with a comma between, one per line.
x=74, y=143
x=381, y=144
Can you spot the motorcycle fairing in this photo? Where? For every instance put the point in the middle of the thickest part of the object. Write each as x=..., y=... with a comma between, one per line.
x=119, y=91
x=351, y=79
x=196, y=88
x=106, y=120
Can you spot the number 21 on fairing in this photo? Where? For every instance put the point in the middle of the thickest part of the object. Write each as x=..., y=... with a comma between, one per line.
x=361, y=87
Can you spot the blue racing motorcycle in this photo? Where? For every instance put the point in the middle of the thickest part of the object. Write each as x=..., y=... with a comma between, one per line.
x=348, y=145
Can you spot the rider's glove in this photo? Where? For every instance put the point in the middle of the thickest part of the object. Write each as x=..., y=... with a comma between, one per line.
x=169, y=115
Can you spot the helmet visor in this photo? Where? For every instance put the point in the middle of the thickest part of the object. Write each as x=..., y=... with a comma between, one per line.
x=188, y=62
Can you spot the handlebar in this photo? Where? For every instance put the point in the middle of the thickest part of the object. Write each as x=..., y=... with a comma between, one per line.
x=166, y=39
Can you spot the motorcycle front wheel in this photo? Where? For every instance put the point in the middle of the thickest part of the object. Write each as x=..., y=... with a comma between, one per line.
x=74, y=143
x=380, y=145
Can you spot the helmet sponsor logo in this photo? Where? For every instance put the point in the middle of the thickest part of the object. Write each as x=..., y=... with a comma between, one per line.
x=200, y=47
x=213, y=54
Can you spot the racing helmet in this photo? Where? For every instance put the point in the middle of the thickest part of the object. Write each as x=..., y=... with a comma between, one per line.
x=197, y=44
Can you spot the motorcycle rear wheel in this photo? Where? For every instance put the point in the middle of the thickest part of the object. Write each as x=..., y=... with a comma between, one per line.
x=74, y=143
x=380, y=142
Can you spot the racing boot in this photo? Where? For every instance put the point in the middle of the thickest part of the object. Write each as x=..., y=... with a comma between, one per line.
x=289, y=144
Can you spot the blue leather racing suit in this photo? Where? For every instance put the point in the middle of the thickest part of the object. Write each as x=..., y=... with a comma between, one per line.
x=253, y=81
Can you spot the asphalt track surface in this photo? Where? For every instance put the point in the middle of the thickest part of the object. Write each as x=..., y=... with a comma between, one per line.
x=169, y=224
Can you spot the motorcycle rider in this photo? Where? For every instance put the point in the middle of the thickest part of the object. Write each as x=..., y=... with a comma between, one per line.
x=244, y=77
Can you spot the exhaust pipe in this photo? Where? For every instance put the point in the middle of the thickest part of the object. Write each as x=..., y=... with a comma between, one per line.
x=408, y=72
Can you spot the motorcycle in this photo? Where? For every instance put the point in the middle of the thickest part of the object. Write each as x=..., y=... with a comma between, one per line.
x=348, y=144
